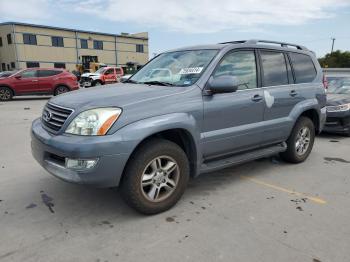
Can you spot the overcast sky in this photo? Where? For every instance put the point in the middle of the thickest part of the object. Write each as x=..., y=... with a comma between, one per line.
x=175, y=23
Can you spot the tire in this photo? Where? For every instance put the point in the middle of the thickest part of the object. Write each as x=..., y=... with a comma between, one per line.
x=140, y=182
x=96, y=83
x=6, y=93
x=298, y=149
x=61, y=90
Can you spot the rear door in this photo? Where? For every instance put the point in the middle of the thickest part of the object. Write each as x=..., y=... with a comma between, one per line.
x=280, y=95
x=27, y=82
x=232, y=120
x=47, y=80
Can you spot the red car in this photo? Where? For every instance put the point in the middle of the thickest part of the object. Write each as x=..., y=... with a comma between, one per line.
x=37, y=81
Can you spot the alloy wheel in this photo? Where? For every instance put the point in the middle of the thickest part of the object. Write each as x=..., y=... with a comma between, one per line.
x=5, y=94
x=302, y=141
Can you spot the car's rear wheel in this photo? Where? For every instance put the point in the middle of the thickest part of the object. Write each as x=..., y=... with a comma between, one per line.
x=6, y=93
x=300, y=142
x=61, y=90
x=156, y=177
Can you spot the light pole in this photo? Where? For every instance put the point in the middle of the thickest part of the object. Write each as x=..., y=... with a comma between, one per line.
x=333, y=39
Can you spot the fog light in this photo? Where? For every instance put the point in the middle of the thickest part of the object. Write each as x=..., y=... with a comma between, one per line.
x=80, y=164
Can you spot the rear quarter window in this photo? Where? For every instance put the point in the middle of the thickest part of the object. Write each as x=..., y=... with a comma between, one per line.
x=304, y=68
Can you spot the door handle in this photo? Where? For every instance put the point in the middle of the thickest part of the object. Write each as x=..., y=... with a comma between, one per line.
x=35, y=80
x=293, y=93
x=257, y=98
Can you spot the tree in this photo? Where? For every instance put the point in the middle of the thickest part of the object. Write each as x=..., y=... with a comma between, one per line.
x=337, y=59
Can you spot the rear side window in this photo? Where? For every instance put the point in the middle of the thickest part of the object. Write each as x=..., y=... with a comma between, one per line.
x=46, y=73
x=304, y=69
x=274, y=68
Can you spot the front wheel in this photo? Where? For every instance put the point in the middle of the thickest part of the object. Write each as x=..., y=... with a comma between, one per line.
x=300, y=142
x=155, y=177
x=5, y=93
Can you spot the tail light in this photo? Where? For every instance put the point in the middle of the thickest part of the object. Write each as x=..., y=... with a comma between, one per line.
x=325, y=82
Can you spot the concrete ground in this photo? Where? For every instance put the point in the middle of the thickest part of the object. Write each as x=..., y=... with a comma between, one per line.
x=265, y=210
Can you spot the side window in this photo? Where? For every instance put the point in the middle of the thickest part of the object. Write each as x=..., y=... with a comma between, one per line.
x=274, y=68
x=28, y=74
x=304, y=69
x=240, y=64
x=109, y=71
x=46, y=73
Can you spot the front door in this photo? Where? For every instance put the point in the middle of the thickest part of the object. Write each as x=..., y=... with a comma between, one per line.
x=26, y=82
x=110, y=76
x=232, y=120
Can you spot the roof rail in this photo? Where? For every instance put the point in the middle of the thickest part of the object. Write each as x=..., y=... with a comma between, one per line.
x=256, y=41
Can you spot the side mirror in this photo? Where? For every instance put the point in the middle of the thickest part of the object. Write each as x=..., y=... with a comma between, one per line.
x=18, y=76
x=223, y=84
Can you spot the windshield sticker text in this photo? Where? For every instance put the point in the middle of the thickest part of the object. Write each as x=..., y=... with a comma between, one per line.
x=190, y=70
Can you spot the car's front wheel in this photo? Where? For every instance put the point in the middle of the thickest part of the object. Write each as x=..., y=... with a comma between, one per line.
x=300, y=142
x=5, y=93
x=156, y=177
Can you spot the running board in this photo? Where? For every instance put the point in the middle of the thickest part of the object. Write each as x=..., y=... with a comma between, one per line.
x=242, y=158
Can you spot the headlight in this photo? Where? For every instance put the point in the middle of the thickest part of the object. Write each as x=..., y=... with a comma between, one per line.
x=94, y=122
x=340, y=108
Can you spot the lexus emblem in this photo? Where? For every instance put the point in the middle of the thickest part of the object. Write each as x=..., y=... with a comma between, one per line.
x=47, y=116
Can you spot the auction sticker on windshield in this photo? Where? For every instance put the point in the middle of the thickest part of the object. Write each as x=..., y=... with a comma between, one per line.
x=190, y=70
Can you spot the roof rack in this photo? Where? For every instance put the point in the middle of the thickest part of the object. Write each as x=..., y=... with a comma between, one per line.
x=256, y=41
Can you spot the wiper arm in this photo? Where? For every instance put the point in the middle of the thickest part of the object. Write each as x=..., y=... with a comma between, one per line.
x=160, y=83
x=131, y=81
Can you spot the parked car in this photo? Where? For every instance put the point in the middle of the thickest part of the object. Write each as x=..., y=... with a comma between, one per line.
x=105, y=75
x=6, y=73
x=338, y=105
x=149, y=137
x=37, y=81
x=125, y=77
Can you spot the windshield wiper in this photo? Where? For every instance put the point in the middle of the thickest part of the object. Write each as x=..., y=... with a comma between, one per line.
x=160, y=83
x=131, y=81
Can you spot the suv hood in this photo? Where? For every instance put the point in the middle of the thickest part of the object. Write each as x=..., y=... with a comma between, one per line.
x=337, y=99
x=115, y=95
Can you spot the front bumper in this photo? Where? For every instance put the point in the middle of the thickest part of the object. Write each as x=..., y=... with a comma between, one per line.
x=338, y=122
x=50, y=152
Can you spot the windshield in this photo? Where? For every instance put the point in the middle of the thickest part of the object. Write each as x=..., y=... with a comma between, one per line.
x=181, y=68
x=100, y=71
x=339, y=85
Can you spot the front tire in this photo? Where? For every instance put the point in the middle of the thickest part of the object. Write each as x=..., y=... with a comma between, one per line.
x=6, y=93
x=156, y=177
x=300, y=142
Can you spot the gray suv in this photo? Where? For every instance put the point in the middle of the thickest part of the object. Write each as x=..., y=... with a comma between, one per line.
x=186, y=112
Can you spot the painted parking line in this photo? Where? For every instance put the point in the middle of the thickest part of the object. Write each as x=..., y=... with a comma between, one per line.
x=282, y=189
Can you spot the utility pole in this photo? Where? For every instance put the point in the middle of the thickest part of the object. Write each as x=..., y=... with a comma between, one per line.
x=333, y=39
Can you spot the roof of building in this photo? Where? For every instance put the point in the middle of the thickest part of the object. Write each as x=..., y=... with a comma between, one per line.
x=74, y=30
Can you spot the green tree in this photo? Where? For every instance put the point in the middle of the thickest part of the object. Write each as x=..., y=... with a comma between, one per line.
x=337, y=59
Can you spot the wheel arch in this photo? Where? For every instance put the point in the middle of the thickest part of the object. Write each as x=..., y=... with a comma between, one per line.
x=314, y=117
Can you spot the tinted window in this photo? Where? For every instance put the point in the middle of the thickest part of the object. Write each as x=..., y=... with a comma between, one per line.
x=46, y=73
x=9, y=39
x=32, y=64
x=240, y=64
x=29, y=39
x=274, y=68
x=98, y=44
x=0, y=41
x=28, y=73
x=59, y=65
x=139, y=48
x=304, y=69
x=83, y=44
x=57, y=41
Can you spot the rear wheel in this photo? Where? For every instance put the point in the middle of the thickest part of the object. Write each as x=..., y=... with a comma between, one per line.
x=156, y=177
x=300, y=142
x=6, y=93
x=61, y=90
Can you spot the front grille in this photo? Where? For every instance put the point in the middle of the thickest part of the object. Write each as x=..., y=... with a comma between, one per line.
x=54, y=117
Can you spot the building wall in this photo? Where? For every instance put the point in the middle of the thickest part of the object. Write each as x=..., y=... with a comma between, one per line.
x=7, y=51
x=117, y=49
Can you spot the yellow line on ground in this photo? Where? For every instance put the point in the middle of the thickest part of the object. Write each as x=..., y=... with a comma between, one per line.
x=289, y=191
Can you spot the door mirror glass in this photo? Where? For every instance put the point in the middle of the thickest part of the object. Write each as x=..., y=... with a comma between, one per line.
x=223, y=84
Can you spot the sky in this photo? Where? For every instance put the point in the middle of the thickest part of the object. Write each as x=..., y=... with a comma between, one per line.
x=177, y=23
